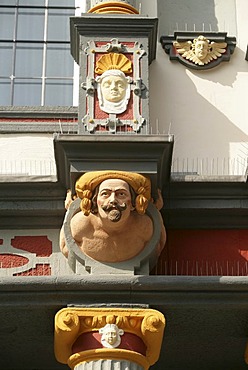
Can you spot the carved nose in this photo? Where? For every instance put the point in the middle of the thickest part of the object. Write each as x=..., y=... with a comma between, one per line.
x=113, y=85
x=112, y=198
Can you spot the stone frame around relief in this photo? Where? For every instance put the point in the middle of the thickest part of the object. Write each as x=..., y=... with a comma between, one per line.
x=112, y=123
x=184, y=37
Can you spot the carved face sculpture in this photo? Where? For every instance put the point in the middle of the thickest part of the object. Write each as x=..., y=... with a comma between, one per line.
x=111, y=335
x=201, y=48
x=113, y=88
x=114, y=200
x=113, y=91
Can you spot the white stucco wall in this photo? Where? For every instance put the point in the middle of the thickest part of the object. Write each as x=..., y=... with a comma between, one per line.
x=26, y=157
x=147, y=7
x=206, y=110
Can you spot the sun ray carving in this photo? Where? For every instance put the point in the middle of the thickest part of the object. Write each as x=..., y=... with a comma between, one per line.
x=113, y=61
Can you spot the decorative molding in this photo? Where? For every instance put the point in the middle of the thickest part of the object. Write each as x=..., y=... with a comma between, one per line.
x=146, y=154
x=38, y=119
x=35, y=112
x=113, y=27
x=213, y=48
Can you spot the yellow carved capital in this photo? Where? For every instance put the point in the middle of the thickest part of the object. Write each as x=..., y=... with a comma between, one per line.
x=71, y=323
x=67, y=327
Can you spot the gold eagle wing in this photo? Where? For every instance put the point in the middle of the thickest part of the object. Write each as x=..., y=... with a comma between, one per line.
x=185, y=49
x=216, y=50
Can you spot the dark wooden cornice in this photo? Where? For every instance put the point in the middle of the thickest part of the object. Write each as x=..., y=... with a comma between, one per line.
x=29, y=205
x=188, y=205
x=206, y=205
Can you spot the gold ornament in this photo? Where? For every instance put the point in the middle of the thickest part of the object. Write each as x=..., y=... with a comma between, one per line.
x=201, y=51
x=113, y=61
x=114, y=7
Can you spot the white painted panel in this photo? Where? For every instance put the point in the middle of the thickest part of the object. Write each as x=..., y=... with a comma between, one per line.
x=25, y=157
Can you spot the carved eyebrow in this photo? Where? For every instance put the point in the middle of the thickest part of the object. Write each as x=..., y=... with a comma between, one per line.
x=110, y=189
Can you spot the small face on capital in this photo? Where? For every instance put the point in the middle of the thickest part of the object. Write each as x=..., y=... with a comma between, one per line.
x=111, y=335
x=114, y=199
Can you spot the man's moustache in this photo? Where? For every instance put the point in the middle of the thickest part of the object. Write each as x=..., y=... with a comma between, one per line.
x=109, y=207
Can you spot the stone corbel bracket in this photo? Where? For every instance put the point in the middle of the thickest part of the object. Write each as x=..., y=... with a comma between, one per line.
x=141, y=264
x=183, y=48
x=77, y=339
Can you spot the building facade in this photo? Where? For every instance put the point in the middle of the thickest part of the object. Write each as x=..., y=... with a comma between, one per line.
x=200, y=280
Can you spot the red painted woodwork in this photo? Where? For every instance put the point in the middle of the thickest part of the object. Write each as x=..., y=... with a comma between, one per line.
x=204, y=252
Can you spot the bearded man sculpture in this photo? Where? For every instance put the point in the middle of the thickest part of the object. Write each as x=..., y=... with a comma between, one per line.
x=113, y=225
